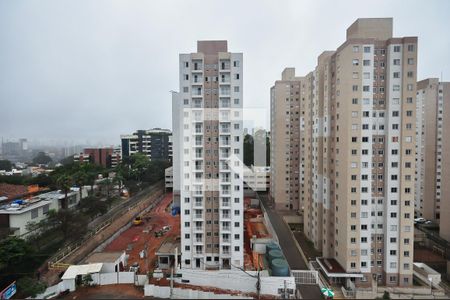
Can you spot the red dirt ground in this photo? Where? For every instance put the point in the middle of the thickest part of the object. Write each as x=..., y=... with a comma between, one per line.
x=113, y=291
x=160, y=217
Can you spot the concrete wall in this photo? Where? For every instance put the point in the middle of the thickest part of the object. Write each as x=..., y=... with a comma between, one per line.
x=237, y=280
x=151, y=290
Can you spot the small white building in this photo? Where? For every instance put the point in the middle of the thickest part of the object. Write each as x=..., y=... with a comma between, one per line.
x=74, y=274
x=112, y=261
x=15, y=216
x=257, y=178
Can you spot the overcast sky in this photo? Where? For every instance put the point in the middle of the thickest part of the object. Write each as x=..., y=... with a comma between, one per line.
x=92, y=70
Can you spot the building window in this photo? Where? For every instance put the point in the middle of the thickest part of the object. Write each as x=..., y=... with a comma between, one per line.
x=34, y=213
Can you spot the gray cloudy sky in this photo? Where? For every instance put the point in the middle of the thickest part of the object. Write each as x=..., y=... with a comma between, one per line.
x=90, y=70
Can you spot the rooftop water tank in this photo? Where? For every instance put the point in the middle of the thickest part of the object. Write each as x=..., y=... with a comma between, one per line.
x=271, y=246
x=275, y=254
x=279, y=267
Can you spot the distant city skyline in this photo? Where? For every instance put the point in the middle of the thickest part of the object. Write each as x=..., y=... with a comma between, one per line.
x=90, y=71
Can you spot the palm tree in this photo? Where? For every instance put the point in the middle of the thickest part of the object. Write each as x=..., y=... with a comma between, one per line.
x=64, y=182
x=80, y=179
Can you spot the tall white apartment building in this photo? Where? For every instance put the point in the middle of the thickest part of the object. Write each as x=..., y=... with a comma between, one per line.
x=355, y=148
x=208, y=151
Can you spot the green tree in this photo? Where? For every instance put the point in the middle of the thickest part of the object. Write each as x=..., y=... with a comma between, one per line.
x=64, y=183
x=93, y=206
x=15, y=255
x=71, y=224
x=29, y=287
x=80, y=178
x=42, y=159
x=87, y=280
x=248, y=150
x=67, y=160
x=5, y=165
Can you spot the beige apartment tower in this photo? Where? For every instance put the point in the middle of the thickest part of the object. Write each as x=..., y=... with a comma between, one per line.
x=432, y=195
x=359, y=141
x=290, y=133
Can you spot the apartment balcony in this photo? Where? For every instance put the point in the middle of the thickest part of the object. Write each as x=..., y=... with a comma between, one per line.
x=226, y=80
x=197, y=81
x=226, y=181
x=198, y=131
x=225, y=241
x=225, y=204
x=198, y=241
x=225, y=66
x=197, y=253
x=224, y=142
x=197, y=67
x=198, y=204
x=225, y=253
x=225, y=130
x=225, y=192
x=197, y=217
x=198, y=168
x=198, y=229
x=225, y=155
x=225, y=103
x=225, y=228
x=197, y=93
x=226, y=217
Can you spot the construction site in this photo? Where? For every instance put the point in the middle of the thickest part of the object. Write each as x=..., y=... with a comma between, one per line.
x=141, y=247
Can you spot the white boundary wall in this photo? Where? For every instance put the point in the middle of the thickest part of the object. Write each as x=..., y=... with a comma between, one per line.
x=237, y=280
x=151, y=290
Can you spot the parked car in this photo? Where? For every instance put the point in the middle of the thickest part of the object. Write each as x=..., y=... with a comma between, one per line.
x=419, y=220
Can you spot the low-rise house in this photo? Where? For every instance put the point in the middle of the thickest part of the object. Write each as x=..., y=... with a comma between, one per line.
x=15, y=216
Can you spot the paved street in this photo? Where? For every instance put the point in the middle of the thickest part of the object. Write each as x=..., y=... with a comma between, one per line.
x=286, y=241
x=290, y=250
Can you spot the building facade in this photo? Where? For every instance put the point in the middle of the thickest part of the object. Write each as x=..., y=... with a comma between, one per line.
x=155, y=143
x=105, y=157
x=208, y=150
x=359, y=135
x=432, y=198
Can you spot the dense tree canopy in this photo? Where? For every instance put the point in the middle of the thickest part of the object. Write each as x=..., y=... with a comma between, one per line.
x=5, y=165
x=42, y=159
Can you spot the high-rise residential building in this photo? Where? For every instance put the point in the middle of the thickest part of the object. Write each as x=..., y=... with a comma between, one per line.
x=432, y=195
x=290, y=134
x=208, y=150
x=156, y=143
x=359, y=194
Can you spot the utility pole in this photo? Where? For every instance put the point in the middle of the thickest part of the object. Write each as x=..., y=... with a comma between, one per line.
x=171, y=282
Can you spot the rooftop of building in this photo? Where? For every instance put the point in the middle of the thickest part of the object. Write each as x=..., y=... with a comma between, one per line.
x=17, y=209
x=169, y=247
x=104, y=257
x=21, y=206
x=377, y=28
